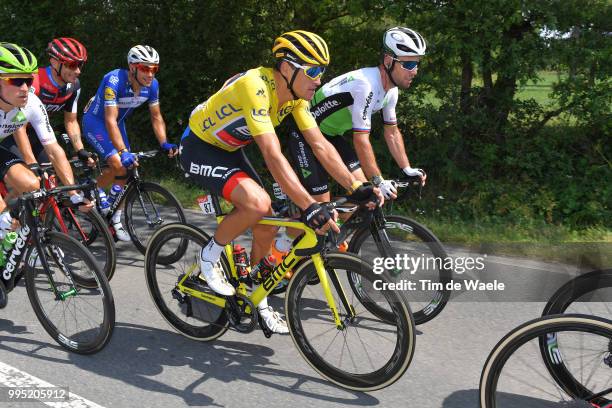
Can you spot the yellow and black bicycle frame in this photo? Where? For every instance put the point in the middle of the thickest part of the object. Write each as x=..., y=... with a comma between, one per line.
x=309, y=244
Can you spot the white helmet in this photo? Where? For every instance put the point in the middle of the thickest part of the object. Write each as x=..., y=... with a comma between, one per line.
x=403, y=42
x=143, y=54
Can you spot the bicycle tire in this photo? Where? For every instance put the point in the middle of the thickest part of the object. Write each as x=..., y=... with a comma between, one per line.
x=529, y=331
x=395, y=359
x=99, y=233
x=559, y=302
x=434, y=306
x=37, y=285
x=170, y=308
x=132, y=199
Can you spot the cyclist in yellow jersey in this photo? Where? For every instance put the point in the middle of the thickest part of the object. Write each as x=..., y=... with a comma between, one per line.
x=245, y=110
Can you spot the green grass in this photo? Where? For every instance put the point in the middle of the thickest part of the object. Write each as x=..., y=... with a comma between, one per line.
x=540, y=90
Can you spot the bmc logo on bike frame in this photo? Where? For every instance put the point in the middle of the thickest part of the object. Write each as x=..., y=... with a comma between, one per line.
x=7, y=274
x=279, y=272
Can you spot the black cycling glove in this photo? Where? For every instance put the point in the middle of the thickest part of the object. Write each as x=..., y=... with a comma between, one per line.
x=315, y=216
x=83, y=155
x=363, y=194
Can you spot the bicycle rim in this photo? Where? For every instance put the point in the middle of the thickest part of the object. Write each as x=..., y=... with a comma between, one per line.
x=515, y=375
x=405, y=237
x=82, y=320
x=148, y=207
x=368, y=353
x=190, y=316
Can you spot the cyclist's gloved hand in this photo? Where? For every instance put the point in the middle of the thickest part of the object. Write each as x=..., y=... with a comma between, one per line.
x=6, y=221
x=84, y=204
x=363, y=194
x=169, y=148
x=84, y=155
x=315, y=216
x=410, y=172
x=388, y=189
x=127, y=159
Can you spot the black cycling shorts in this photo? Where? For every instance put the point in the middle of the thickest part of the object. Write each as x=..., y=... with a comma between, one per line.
x=213, y=168
x=312, y=174
x=7, y=159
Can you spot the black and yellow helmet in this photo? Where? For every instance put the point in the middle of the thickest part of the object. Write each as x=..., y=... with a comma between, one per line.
x=302, y=47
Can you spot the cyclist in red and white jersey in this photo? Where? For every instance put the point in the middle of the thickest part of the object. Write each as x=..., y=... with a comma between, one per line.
x=58, y=88
x=19, y=106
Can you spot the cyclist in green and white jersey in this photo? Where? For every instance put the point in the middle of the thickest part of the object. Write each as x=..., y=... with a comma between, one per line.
x=346, y=104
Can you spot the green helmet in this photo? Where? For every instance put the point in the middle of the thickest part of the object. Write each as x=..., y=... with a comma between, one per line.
x=16, y=60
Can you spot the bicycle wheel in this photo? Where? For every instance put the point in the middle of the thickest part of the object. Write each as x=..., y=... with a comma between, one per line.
x=403, y=236
x=149, y=206
x=368, y=353
x=81, y=319
x=91, y=230
x=515, y=376
x=192, y=317
x=590, y=294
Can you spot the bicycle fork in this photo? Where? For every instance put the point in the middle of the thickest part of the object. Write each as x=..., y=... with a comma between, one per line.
x=322, y=273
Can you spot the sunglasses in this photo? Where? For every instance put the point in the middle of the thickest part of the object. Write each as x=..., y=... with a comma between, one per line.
x=19, y=81
x=311, y=72
x=147, y=68
x=74, y=64
x=409, y=65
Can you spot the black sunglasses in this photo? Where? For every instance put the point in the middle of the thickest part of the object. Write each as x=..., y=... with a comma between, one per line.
x=19, y=81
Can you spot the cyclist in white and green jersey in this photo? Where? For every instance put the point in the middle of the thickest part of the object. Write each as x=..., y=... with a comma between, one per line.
x=346, y=104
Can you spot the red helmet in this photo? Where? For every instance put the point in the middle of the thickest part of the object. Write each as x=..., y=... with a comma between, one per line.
x=67, y=49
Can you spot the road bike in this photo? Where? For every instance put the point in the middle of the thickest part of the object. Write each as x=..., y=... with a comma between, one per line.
x=374, y=234
x=361, y=343
x=80, y=319
x=148, y=206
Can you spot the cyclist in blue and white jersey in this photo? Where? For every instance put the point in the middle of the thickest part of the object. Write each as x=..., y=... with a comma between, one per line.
x=120, y=92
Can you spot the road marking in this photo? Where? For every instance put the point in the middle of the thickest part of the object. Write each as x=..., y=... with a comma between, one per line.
x=12, y=377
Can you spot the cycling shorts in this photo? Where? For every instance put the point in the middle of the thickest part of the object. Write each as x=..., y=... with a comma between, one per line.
x=7, y=160
x=311, y=173
x=97, y=136
x=213, y=168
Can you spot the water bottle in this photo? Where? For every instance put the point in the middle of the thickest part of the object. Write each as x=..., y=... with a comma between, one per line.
x=6, y=245
x=263, y=269
x=104, y=204
x=241, y=260
x=114, y=192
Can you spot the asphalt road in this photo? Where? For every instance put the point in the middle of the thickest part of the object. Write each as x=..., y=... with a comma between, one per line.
x=147, y=364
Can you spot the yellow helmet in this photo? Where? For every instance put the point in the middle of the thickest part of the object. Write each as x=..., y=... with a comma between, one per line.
x=301, y=46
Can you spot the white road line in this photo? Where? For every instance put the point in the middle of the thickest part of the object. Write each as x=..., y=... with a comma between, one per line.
x=12, y=377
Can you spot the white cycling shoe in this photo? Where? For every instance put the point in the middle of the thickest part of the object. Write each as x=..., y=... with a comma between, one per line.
x=273, y=320
x=120, y=232
x=215, y=278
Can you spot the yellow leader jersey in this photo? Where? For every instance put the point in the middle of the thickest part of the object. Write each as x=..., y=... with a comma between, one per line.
x=245, y=107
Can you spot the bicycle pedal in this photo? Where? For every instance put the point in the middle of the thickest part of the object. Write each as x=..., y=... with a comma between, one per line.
x=177, y=295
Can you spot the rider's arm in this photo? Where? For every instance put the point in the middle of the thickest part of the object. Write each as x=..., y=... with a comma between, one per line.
x=111, y=113
x=395, y=143
x=70, y=120
x=282, y=171
x=328, y=156
x=73, y=130
x=57, y=156
x=365, y=154
x=23, y=143
x=157, y=121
